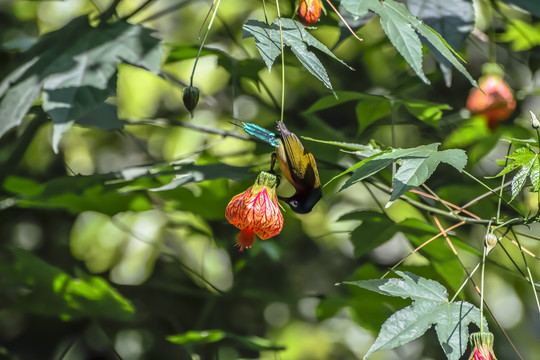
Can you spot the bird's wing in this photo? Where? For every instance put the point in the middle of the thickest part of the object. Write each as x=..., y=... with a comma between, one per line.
x=301, y=163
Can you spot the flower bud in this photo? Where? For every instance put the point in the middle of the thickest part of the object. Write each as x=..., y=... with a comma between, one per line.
x=534, y=121
x=190, y=96
x=482, y=343
x=309, y=11
x=490, y=241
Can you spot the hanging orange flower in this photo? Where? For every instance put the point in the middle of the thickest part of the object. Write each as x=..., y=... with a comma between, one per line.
x=309, y=11
x=256, y=211
x=497, y=102
x=483, y=346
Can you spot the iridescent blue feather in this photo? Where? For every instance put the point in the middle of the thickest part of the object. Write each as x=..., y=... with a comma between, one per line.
x=261, y=133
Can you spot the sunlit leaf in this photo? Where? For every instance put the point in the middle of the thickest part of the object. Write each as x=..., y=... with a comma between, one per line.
x=51, y=291
x=522, y=35
x=527, y=161
x=430, y=307
x=414, y=171
x=211, y=336
x=417, y=166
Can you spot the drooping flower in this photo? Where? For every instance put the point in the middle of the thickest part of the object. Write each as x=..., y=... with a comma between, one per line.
x=482, y=343
x=497, y=102
x=309, y=11
x=256, y=211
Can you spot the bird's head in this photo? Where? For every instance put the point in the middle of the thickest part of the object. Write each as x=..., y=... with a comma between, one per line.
x=304, y=203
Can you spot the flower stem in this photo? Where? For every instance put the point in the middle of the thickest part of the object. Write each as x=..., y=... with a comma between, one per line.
x=282, y=63
x=202, y=43
x=465, y=283
x=482, y=290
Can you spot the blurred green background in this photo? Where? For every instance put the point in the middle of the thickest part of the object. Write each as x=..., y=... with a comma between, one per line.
x=102, y=258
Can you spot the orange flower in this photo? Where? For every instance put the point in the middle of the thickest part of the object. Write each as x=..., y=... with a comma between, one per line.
x=256, y=211
x=309, y=11
x=483, y=346
x=497, y=102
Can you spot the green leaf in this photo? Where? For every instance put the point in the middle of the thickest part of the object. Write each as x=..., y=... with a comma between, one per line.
x=418, y=165
x=268, y=41
x=415, y=171
x=349, y=146
x=531, y=6
x=527, y=161
x=402, y=28
x=402, y=35
x=197, y=337
x=76, y=66
x=341, y=97
x=371, y=110
x=426, y=111
x=376, y=229
x=430, y=307
x=515, y=35
x=115, y=192
x=75, y=194
x=453, y=20
x=248, y=68
x=211, y=336
x=50, y=291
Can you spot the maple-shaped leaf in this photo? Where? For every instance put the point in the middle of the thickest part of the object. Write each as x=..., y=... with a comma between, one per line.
x=526, y=160
x=405, y=31
x=268, y=41
x=416, y=167
x=430, y=306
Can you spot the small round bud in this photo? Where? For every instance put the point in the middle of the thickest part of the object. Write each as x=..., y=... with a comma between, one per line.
x=190, y=96
x=534, y=120
x=491, y=241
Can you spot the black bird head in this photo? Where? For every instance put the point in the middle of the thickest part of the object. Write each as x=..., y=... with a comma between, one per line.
x=303, y=203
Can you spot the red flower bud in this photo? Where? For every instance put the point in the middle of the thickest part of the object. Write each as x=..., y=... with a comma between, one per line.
x=483, y=346
x=309, y=11
x=256, y=211
x=496, y=104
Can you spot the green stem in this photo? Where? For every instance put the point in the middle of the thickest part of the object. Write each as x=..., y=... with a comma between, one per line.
x=203, y=41
x=282, y=63
x=531, y=281
x=482, y=291
x=502, y=183
x=264, y=11
x=490, y=189
x=538, y=193
x=492, y=55
x=465, y=282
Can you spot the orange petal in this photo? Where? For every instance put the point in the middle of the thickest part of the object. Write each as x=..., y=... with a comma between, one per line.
x=246, y=238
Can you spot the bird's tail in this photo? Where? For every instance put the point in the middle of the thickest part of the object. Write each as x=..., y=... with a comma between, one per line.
x=261, y=133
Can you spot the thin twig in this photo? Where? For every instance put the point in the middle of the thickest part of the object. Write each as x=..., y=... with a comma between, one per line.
x=204, y=129
x=530, y=279
x=421, y=246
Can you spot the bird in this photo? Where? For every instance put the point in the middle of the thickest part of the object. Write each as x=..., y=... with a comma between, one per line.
x=296, y=163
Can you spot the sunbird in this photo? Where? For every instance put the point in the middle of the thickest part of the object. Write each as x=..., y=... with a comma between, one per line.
x=296, y=163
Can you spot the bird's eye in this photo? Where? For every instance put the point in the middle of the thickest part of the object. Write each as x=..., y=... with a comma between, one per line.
x=294, y=203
